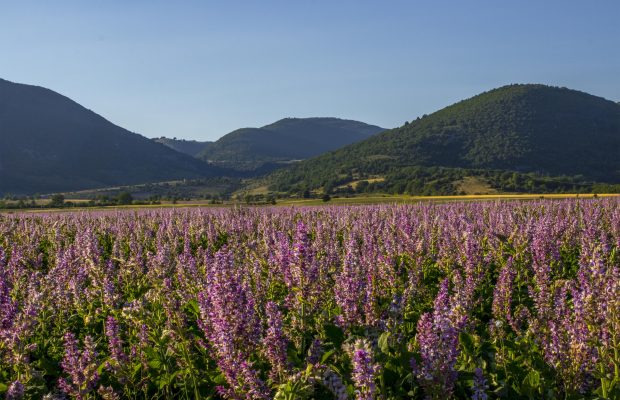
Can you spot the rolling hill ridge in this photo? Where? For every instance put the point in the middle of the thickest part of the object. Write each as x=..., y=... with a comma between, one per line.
x=283, y=141
x=51, y=143
x=529, y=138
x=189, y=147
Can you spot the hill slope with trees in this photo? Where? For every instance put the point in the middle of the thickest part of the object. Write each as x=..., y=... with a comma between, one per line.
x=540, y=137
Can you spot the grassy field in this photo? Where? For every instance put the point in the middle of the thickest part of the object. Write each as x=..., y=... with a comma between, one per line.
x=474, y=185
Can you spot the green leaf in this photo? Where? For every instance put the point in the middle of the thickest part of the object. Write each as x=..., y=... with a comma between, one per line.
x=409, y=327
x=48, y=366
x=219, y=379
x=390, y=377
x=326, y=356
x=609, y=389
x=531, y=384
x=102, y=366
x=410, y=316
x=334, y=334
x=192, y=307
x=136, y=370
x=467, y=341
x=532, y=379
x=514, y=370
x=405, y=359
x=292, y=355
x=384, y=342
x=162, y=383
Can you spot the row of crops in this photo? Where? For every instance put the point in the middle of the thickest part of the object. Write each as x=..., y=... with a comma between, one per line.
x=469, y=300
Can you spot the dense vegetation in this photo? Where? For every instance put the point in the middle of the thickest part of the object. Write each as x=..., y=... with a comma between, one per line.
x=58, y=201
x=440, y=181
x=215, y=189
x=491, y=300
x=50, y=144
x=283, y=141
x=200, y=188
x=558, y=136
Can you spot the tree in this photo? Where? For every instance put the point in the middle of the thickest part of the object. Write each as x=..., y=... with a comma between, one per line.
x=326, y=197
x=361, y=186
x=329, y=186
x=124, y=198
x=57, y=200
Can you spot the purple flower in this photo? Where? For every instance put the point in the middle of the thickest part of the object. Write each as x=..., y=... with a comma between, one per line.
x=110, y=297
x=365, y=370
x=8, y=307
x=15, y=391
x=502, y=295
x=350, y=288
x=107, y=393
x=438, y=340
x=334, y=384
x=275, y=342
x=314, y=352
x=80, y=366
x=115, y=344
x=230, y=323
x=480, y=386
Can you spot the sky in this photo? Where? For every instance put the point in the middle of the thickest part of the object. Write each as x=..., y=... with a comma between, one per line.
x=200, y=69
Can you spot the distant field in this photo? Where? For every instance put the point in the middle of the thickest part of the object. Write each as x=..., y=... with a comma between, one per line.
x=415, y=199
x=373, y=199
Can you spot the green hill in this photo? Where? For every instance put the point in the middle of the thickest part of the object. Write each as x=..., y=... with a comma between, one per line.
x=284, y=141
x=50, y=143
x=517, y=137
x=189, y=147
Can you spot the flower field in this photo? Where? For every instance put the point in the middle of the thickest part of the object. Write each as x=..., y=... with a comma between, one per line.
x=464, y=300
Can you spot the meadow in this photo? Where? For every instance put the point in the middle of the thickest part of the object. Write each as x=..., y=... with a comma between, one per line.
x=478, y=300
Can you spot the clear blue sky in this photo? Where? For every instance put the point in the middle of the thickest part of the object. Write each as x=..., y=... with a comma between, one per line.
x=199, y=69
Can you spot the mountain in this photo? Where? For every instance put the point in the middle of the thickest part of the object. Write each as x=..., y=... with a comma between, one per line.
x=189, y=147
x=284, y=141
x=50, y=143
x=529, y=130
